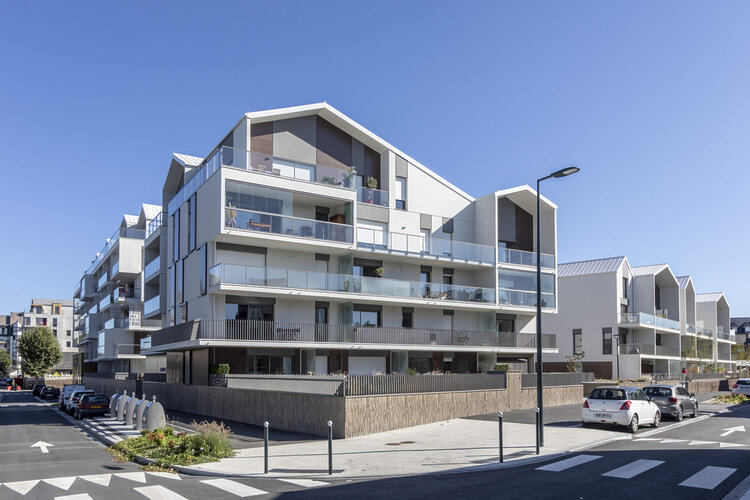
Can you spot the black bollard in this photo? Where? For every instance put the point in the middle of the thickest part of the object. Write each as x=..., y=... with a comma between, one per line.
x=265, y=447
x=538, y=429
x=500, y=443
x=330, y=447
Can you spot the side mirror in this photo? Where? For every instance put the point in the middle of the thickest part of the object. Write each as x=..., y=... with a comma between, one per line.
x=649, y=399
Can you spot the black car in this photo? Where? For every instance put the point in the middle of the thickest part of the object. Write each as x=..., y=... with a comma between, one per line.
x=49, y=392
x=37, y=390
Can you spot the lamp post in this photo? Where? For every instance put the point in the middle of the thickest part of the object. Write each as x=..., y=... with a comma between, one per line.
x=539, y=389
x=617, y=339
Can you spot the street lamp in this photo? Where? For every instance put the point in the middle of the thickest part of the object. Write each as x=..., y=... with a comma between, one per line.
x=539, y=389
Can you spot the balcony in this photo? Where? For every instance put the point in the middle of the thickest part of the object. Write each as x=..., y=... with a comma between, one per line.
x=153, y=225
x=151, y=306
x=705, y=332
x=114, y=323
x=151, y=268
x=105, y=302
x=524, y=258
x=275, y=331
x=264, y=164
x=115, y=268
x=640, y=318
x=284, y=225
x=690, y=328
x=123, y=294
x=524, y=299
x=122, y=232
x=721, y=334
x=102, y=280
x=424, y=247
x=649, y=349
x=77, y=289
x=343, y=283
x=372, y=196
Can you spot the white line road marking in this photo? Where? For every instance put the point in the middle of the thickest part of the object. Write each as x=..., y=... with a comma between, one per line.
x=168, y=475
x=102, y=479
x=633, y=469
x=80, y=496
x=739, y=428
x=139, y=477
x=708, y=478
x=307, y=483
x=64, y=483
x=730, y=445
x=647, y=439
x=673, y=441
x=158, y=493
x=234, y=487
x=698, y=443
x=568, y=463
x=22, y=487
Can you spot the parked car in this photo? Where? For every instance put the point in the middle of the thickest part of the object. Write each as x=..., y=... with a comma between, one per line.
x=49, y=392
x=66, y=391
x=627, y=406
x=37, y=390
x=91, y=405
x=72, y=401
x=742, y=386
x=673, y=400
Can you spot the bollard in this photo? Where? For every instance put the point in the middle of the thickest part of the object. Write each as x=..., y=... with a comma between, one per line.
x=330, y=447
x=265, y=447
x=537, y=431
x=500, y=443
x=139, y=412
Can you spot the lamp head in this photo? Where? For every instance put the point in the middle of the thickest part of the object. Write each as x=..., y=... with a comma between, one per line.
x=565, y=172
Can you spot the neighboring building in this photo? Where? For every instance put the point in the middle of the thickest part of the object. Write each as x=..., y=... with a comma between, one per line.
x=629, y=321
x=11, y=326
x=304, y=243
x=712, y=311
x=110, y=294
x=742, y=329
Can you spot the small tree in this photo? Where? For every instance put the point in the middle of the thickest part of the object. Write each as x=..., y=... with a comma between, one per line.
x=575, y=361
x=4, y=362
x=40, y=351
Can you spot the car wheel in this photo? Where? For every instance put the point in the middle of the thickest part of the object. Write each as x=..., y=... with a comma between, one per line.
x=587, y=424
x=633, y=426
x=679, y=415
x=695, y=410
x=657, y=419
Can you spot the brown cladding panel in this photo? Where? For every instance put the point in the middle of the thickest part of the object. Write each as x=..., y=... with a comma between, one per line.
x=372, y=165
x=600, y=369
x=524, y=229
x=334, y=146
x=261, y=138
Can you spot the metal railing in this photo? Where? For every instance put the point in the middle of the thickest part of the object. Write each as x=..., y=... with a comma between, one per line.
x=151, y=268
x=525, y=299
x=524, y=257
x=282, y=331
x=372, y=196
x=648, y=319
x=153, y=224
x=151, y=306
x=310, y=280
x=237, y=218
x=689, y=328
x=102, y=280
x=421, y=246
x=528, y=380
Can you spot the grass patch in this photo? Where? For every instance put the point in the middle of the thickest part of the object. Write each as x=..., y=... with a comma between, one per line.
x=732, y=399
x=167, y=448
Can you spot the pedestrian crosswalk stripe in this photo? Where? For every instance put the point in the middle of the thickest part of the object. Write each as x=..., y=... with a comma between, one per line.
x=22, y=487
x=708, y=477
x=698, y=443
x=633, y=469
x=568, y=463
x=168, y=475
x=139, y=477
x=307, y=483
x=159, y=493
x=64, y=483
x=234, y=487
x=102, y=479
x=80, y=496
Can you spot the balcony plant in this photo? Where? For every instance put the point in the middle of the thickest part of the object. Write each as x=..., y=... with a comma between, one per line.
x=329, y=180
x=379, y=271
x=348, y=176
x=371, y=183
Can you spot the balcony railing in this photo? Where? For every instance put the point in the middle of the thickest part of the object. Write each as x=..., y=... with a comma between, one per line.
x=649, y=349
x=261, y=164
x=151, y=306
x=525, y=299
x=372, y=196
x=102, y=280
x=689, y=328
x=524, y=258
x=309, y=280
x=77, y=288
x=115, y=268
x=705, y=332
x=121, y=294
x=124, y=232
x=648, y=319
x=151, y=268
x=105, y=302
x=421, y=246
x=276, y=331
x=722, y=334
x=114, y=323
x=288, y=226
x=153, y=225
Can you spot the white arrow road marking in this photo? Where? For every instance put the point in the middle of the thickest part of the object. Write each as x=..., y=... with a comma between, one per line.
x=42, y=446
x=22, y=487
x=739, y=428
x=139, y=477
x=64, y=483
x=102, y=479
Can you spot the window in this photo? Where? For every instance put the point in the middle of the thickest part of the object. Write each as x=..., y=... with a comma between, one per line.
x=658, y=339
x=26, y=321
x=577, y=341
x=401, y=193
x=372, y=233
x=447, y=276
x=54, y=321
x=41, y=322
x=625, y=288
x=606, y=341
x=407, y=317
x=56, y=309
x=204, y=269
x=38, y=309
x=67, y=333
x=176, y=236
x=191, y=223
x=67, y=344
x=178, y=275
x=425, y=240
x=365, y=316
x=54, y=332
x=505, y=323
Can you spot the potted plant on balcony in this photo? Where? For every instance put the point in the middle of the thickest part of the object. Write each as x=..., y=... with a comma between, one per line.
x=348, y=176
x=371, y=183
x=379, y=271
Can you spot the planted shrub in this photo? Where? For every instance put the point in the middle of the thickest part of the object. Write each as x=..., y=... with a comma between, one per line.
x=219, y=369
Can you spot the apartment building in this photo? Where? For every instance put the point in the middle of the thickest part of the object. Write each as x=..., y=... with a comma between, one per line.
x=629, y=321
x=304, y=243
x=11, y=326
x=713, y=314
x=111, y=317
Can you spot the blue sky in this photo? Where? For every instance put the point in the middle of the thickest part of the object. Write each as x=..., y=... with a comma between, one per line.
x=650, y=99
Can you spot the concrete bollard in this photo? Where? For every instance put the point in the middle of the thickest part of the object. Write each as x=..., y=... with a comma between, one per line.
x=155, y=416
x=121, y=406
x=113, y=405
x=130, y=410
x=139, y=411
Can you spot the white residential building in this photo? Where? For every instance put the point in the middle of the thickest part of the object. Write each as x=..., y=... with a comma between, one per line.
x=305, y=243
x=713, y=315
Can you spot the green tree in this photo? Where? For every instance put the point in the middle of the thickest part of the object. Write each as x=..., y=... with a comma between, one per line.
x=740, y=351
x=574, y=361
x=40, y=351
x=4, y=362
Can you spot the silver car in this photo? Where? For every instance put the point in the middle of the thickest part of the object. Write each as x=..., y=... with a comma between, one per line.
x=673, y=400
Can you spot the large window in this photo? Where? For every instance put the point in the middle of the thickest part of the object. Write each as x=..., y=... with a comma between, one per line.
x=365, y=318
x=258, y=199
x=401, y=193
x=178, y=282
x=204, y=268
x=524, y=280
x=191, y=223
x=606, y=340
x=176, y=236
x=577, y=341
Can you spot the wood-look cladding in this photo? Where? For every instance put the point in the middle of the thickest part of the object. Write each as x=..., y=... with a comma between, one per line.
x=372, y=165
x=261, y=138
x=334, y=146
x=524, y=230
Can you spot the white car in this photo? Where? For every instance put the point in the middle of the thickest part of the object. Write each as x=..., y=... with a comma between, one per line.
x=742, y=386
x=621, y=406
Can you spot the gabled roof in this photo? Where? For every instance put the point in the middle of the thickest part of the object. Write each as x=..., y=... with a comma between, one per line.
x=129, y=220
x=596, y=266
x=708, y=297
x=150, y=211
x=647, y=270
x=187, y=160
x=524, y=189
x=683, y=281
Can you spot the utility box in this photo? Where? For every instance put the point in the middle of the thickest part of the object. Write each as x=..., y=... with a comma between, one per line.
x=155, y=417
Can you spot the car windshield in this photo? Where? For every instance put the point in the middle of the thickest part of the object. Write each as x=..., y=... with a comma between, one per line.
x=617, y=394
x=658, y=391
x=743, y=382
x=96, y=399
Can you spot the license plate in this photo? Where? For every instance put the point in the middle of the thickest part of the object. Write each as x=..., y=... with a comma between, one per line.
x=603, y=415
x=99, y=407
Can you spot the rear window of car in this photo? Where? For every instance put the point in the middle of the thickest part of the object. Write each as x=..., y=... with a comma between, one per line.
x=95, y=399
x=658, y=391
x=616, y=394
x=743, y=381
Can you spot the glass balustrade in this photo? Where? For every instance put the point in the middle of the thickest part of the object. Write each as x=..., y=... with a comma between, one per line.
x=419, y=245
x=105, y=302
x=524, y=258
x=288, y=226
x=115, y=268
x=525, y=299
x=372, y=196
x=649, y=319
x=151, y=306
x=151, y=268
